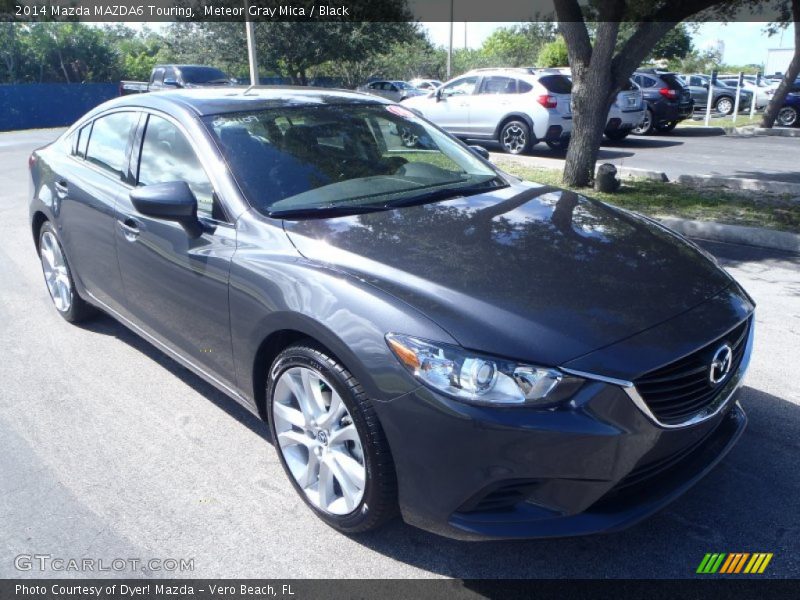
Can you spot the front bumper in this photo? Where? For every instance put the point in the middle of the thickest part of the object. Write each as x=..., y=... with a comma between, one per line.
x=596, y=464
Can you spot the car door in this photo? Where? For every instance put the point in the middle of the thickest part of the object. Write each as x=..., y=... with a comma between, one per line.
x=450, y=108
x=176, y=286
x=490, y=104
x=89, y=186
x=698, y=88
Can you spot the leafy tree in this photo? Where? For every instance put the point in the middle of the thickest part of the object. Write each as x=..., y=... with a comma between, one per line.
x=603, y=64
x=519, y=45
x=554, y=54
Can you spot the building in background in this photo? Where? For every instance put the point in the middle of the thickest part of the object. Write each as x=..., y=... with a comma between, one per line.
x=778, y=60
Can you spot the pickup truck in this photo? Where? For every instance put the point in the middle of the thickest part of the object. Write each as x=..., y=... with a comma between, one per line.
x=166, y=77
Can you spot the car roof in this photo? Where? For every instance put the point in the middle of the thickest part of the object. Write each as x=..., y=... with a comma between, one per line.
x=211, y=101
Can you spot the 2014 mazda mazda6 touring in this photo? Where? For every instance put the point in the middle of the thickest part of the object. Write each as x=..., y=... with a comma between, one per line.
x=423, y=332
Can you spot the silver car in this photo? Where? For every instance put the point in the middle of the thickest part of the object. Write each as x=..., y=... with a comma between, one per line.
x=516, y=107
x=391, y=90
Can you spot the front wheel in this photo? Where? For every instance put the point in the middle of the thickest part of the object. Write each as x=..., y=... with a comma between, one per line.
x=787, y=116
x=515, y=137
x=724, y=105
x=329, y=440
x=58, y=277
x=646, y=126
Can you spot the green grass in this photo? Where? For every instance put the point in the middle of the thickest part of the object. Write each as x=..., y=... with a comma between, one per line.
x=659, y=199
x=725, y=122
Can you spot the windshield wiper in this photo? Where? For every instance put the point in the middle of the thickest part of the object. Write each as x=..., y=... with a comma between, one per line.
x=448, y=193
x=322, y=212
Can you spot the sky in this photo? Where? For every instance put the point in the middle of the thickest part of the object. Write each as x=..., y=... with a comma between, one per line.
x=744, y=42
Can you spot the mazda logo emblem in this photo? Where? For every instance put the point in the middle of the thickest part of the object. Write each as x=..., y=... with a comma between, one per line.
x=721, y=364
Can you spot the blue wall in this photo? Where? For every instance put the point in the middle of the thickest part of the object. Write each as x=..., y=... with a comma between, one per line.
x=35, y=105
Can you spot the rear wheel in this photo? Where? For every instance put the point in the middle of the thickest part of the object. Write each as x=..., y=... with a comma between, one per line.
x=559, y=144
x=515, y=137
x=646, y=126
x=724, y=105
x=329, y=440
x=58, y=277
x=787, y=116
x=617, y=134
x=666, y=127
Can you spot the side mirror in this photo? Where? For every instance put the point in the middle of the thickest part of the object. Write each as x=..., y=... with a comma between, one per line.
x=172, y=83
x=438, y=94
x=705, y=85
x=171, y=201
x=480, y=151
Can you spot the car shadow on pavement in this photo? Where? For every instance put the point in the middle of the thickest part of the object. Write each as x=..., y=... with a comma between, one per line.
x=697, y=131
x=734, y=255
x=106, y=325
x=749, y=503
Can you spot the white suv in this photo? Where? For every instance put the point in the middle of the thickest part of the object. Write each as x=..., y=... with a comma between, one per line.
x=515, y=107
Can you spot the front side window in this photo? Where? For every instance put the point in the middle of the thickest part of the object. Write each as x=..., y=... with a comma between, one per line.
x=81, y=141
x=460, y=87
x=109, y=140
x=167, y=156
x=313, y=160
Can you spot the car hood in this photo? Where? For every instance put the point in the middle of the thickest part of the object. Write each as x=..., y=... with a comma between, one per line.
x=528, y=272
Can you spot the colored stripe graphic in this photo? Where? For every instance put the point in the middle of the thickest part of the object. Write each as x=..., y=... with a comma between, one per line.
x=734, y=562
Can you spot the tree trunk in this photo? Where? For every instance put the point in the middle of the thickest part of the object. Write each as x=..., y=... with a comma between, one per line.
x=775, y=105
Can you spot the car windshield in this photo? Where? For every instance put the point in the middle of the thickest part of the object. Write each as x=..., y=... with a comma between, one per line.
x=200, y=75
x=318, y=160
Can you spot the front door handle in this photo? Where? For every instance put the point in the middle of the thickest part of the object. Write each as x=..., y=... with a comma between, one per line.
x=129, y=228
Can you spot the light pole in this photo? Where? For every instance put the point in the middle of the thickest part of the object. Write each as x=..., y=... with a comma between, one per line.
x=251, y=47
x=450, y=45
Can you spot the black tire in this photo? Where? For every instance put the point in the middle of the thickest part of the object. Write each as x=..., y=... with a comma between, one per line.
x=646, y=126
x=724, y=105
x=787, y=117
x=515, y=137
x=379, y=502
x=616, y=135
x=560, y=144
x=79, y=309
x=666, y=127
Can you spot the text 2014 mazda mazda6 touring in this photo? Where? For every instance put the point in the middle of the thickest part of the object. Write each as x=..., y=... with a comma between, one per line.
x=424, y=334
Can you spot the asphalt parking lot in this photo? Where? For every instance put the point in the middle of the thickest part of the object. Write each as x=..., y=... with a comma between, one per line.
x=698, y=151
x=109, y=449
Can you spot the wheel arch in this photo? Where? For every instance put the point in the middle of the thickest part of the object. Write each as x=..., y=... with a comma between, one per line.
x=514, y=116
x=38, y=219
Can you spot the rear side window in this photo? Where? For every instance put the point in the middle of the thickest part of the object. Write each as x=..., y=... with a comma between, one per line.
x=498, y=85
x=672, y=81
x=167, y=156
x=109, y=141
x=556, y=84
x=523, y=87
x=158, y=75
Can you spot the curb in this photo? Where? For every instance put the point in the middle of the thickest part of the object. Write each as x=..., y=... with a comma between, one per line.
x=735, y=234
x=752, y=130
x=740, y=183
x=636, y=173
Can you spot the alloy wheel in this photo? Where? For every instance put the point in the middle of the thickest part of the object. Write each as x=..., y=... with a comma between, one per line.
x=724, y=106
x=787, y=116
x=319, y=441
x=55, y=271
x=644, y=126
x=514, y=139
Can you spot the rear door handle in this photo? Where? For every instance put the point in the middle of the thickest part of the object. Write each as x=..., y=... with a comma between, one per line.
x=61, y=188
x=129, y=228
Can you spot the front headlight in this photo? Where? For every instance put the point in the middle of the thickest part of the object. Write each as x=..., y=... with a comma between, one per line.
x=477, y=379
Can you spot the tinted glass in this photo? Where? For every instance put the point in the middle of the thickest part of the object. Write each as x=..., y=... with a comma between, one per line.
x=523, y=87
x=83, y=140
x=648, y=81
x=343, y=157
x=672, y=81
x=199, y=75
x=498, y=85
x=158, y=75
x=556, y=84
x=167, y=156
x=109, y=140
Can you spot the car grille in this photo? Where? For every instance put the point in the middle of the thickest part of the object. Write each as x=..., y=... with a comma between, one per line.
x=679, y=391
